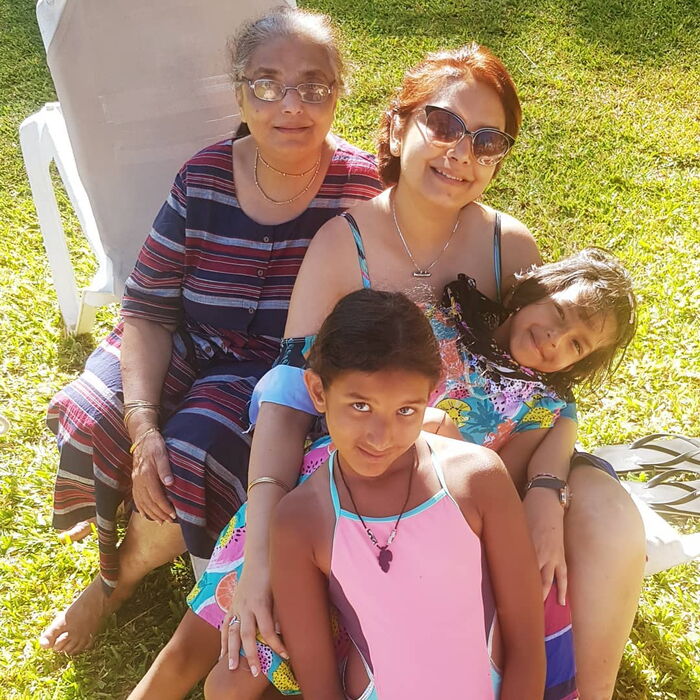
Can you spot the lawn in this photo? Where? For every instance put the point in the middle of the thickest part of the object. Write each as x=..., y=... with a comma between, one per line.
x=609, y=155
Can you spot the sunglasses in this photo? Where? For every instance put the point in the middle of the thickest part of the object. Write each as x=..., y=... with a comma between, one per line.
x=444, y=128
x=273, y=91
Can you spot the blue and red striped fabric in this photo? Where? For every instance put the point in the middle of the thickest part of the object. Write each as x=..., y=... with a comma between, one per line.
x=224, y=281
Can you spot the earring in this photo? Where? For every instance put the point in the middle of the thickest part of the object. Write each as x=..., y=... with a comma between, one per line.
x=395, y=148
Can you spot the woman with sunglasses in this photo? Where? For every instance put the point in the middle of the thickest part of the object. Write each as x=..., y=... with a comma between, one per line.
x=444, y=138
x=159, y=419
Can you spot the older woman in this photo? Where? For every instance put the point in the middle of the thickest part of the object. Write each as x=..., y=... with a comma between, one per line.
x=158, y=420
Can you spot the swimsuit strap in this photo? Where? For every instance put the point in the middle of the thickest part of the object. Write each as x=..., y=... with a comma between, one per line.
x=334, y=490
x=437, y=467
x=497, y=255
x=361, y=256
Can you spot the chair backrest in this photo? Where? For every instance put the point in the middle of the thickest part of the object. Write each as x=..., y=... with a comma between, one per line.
x=143, y=85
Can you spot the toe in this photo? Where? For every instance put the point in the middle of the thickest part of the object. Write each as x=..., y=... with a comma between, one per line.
x=61, y=642
x=49, y=636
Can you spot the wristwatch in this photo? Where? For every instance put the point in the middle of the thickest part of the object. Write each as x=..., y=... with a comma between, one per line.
x=549, y=481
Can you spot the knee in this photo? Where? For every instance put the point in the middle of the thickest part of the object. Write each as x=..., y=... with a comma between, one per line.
x=180, y=651
x=222, y=684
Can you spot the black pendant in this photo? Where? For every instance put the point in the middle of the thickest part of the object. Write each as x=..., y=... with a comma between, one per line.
x=422, y=273
x=385, y=557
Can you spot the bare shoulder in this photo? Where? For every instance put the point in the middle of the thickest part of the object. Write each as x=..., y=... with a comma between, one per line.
x=519, y=248
x=329, y=271
x=468, y=468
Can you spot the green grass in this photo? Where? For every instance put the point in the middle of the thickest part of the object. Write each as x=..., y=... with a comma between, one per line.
x=608, y=156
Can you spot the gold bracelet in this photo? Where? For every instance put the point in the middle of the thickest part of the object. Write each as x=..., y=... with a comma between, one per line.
x=134, y=409
x=140, y=439
x=140, y=402
x=268, y=480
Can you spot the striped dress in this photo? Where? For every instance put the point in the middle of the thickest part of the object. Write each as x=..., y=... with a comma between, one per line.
x=225, y=282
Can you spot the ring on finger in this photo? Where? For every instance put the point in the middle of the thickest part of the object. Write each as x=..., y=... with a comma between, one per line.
x=235, y=620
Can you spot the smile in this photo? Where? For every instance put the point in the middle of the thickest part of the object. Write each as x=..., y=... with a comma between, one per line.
x=371, y=455
x=447, y=176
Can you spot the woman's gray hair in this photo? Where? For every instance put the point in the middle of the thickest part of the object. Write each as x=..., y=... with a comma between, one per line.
x=286, y=21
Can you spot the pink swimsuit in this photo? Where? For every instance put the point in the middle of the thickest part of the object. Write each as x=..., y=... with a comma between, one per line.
x=420, y=625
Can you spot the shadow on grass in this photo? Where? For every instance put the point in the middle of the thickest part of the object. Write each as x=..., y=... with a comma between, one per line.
x=646, y=31
x=134, y=636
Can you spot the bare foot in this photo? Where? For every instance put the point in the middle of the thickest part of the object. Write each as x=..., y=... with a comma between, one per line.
x=78, y=531
x=73, y=630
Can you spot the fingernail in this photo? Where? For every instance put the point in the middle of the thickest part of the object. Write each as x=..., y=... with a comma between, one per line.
x=172, y=515
x=231, y=665
x=254, y=671
x=285, y=655
x=168, y=480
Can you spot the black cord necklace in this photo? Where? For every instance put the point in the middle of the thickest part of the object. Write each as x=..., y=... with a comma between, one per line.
x=385, y=555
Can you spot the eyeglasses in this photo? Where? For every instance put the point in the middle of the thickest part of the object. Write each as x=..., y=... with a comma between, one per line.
x=444, y=128
x=273, y=91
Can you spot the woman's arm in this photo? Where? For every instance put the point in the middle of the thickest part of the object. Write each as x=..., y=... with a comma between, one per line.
x=145, y=356
x=300, y=589
x=516, y=588
x=326, y=274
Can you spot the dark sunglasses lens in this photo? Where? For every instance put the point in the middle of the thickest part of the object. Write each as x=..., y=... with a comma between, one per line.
x=489, y=146
x=314, y=92
x=443, y=127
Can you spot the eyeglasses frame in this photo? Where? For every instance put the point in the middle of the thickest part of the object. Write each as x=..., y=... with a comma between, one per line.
x=285, y=88
x=428, y=109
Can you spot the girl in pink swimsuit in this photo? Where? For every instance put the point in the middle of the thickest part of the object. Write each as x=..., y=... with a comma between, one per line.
x=391, y=531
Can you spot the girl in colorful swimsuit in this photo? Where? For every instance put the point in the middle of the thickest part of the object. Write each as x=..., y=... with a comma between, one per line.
x=508, y=368
x=390, y=530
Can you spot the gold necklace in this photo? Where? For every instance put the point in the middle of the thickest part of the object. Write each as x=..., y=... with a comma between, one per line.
x=278, y=202
x=418, y=272
x=281, y=172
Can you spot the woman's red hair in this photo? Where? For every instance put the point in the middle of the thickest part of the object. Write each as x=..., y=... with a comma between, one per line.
x=431, y=75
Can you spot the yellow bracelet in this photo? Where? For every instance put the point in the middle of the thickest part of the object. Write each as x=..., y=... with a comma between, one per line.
x=140, y=439
x=268, y=480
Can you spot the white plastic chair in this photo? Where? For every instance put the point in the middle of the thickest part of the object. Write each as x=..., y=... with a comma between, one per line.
x=142, y=86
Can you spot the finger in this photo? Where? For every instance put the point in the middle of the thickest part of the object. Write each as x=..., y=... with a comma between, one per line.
x=144, y=504
x=248, y=632
x=233, y=645
x=152, y=509
x=547, y=576
x=269, y=633
x=224, y=635
x=164, y=472
x=562, y=584
x=159, y=502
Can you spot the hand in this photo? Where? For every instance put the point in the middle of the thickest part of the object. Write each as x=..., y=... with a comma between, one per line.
x=252, y=607
x=545, y=517
x=151, y=469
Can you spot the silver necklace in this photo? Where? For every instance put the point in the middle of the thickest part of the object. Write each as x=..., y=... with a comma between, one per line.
x=418, y=272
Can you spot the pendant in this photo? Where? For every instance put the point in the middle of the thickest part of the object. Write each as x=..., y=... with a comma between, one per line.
x=422, y=273
x=384, y=558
